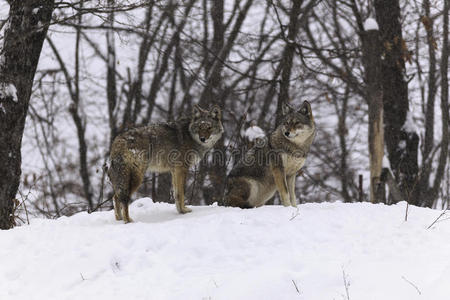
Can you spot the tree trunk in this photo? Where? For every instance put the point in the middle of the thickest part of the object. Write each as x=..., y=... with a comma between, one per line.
x=372, y=66
x=19, y=56
x=111, y=89
x=428, y=143
x=429, y=195
x=400, y=137
x=345, y=175
x=288, y=57
x=212, y=91
x=80, y=125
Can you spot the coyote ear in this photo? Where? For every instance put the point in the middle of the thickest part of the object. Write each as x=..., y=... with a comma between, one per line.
x=196, y=111
x=216, y=113
x=305, y=109
x=286, y=108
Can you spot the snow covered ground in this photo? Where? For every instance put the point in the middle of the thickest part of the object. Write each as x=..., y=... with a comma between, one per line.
x=229, y=253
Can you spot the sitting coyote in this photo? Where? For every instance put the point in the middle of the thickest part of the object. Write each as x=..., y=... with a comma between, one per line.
x=166, y=147
x=272, y=164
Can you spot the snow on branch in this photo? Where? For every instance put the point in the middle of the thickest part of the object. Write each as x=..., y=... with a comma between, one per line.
x=8, y=90
x=409, y=125
x=254, y=132
x=371, y=24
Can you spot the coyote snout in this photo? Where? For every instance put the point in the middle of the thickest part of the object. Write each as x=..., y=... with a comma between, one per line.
x=165, y=147
x=204, y=131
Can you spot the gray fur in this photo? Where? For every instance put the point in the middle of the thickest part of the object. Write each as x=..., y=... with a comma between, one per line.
x=164, y=147
x=272, y=164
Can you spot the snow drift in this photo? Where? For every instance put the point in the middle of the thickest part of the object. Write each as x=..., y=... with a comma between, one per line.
x=270, y=252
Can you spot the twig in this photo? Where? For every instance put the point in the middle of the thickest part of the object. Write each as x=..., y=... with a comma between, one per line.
x=346, y=284
x=296, y=287
x=26, y=212
x=409, y=192
x=102, y=186
x=438, y=218
x=215, y=283
x=406, y=212
x=294, y=215
x=412, y=284
x=102, y=182
x=443, y=219
x=24, y=199
x=100, y=205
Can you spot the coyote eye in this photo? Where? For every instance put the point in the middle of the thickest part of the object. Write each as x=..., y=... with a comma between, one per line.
x=304, y=111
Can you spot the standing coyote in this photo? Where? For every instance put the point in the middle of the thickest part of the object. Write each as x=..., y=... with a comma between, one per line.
x=272, y=164
x=166, y=147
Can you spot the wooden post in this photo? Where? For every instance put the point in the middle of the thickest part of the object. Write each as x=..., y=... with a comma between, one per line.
x=372, y=65
x=361, y=194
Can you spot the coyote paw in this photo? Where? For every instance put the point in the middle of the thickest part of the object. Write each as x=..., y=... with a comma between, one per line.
x=129, y=220
x=118, y=216
x=184, y=210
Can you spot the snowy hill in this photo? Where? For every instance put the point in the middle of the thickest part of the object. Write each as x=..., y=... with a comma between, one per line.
x=229, y=253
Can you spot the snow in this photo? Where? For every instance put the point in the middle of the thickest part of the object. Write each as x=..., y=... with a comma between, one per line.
x=409, y=125
x=2, y=37
x=35, y=10
x=110, y=60
x=229, y=253
x=8, y=90
x=40, y=26
x=370, y=24
x=254, y=132
x=386, y=163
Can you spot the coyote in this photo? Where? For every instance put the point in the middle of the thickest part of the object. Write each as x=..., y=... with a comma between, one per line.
x=272, y=164
x=165, y=147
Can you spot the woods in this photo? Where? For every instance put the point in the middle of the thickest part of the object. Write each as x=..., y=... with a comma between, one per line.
x=105, y=66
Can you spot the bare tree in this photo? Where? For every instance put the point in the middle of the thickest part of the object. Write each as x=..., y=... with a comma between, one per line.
x=427, y=192
x=28, y=22
x=401, y=139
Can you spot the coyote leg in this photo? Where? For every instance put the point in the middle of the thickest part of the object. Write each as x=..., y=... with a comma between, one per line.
x=125, y=214
x=291, y=188
x=117, y=208
x=280, y=182
x=124, y=200
x=178, y=183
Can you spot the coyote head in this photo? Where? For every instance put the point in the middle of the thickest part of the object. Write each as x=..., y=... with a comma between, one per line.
x=297, y=124
x=206, y=126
